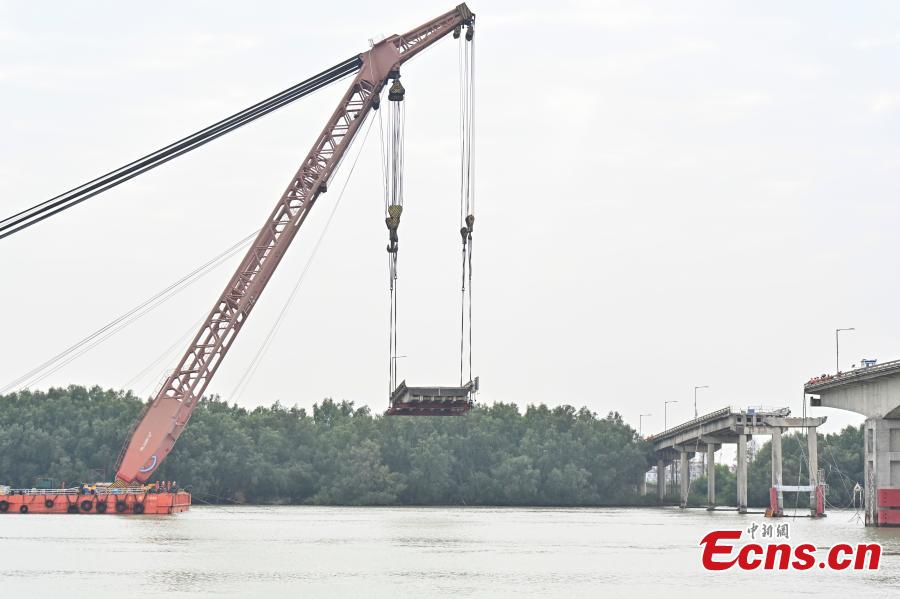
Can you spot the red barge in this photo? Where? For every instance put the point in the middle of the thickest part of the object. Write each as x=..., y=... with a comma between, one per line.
x=116, y=501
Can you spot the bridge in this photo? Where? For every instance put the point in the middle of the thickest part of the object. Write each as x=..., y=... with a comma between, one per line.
x=874, y=392
x=707, y=433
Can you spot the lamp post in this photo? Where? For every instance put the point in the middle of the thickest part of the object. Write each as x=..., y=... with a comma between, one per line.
x=837, y=348
x=665, y=411
x=695, y=397
x=641, y=424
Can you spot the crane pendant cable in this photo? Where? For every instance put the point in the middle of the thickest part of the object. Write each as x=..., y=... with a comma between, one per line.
x=466, y=191
x=393, y=208
x=64, y=201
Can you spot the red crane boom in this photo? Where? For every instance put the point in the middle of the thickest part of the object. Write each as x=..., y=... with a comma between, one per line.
x=164, y=419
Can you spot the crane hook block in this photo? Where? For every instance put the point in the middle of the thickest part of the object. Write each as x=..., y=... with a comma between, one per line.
x=464, y=232
x=393, y=218
x=396, y=93
x=470, y=33
x=456, y=31
x=470, y=222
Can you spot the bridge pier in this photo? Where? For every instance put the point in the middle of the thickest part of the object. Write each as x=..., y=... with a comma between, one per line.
x=882, y=471
x=812, y=436
x=685, y=476
x=741, y=473
x=660, y=479
x=776, y=471
x=710, y=477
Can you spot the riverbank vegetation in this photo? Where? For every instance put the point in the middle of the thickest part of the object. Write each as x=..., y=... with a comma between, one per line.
x=339, y=454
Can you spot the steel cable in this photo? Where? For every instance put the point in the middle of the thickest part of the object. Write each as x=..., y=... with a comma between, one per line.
x=64, y=357
x=57, y=204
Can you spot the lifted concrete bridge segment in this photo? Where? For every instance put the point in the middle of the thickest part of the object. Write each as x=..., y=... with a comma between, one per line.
x=709, y=432
x=874, y=392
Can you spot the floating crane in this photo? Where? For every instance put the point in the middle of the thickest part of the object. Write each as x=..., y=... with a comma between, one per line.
x=166, y=416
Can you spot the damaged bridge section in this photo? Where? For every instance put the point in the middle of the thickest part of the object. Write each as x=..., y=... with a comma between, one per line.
x=709, y=432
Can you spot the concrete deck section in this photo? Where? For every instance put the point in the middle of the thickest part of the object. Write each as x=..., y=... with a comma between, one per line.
x=874, y=392
x=709, y=432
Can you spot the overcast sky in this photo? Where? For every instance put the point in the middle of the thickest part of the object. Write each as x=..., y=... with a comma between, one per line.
x=668, y=195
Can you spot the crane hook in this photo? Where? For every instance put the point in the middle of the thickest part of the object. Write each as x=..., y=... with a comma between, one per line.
x=397, y=91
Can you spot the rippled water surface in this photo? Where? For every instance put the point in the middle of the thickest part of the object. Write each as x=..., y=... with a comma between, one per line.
x=409, y=552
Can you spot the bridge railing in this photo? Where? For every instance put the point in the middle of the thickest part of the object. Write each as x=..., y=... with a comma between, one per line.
x=852, y=374
x=692, y=423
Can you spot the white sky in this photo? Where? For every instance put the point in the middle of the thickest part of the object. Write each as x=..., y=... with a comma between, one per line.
x=669, y=195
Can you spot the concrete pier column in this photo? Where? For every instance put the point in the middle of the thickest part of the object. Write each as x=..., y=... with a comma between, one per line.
x=685, y=475
x=776, y=469
x=741, y=472
x=674, y=471
x=813, y=441
x=710, y=477
x=660, y=479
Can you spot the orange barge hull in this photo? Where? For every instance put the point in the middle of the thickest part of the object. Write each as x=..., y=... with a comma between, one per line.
x=129, y=504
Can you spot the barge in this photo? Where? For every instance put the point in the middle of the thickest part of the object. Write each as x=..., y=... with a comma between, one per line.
x=97, y=499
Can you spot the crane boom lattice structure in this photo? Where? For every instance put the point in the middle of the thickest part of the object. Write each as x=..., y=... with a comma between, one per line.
x=164, y=420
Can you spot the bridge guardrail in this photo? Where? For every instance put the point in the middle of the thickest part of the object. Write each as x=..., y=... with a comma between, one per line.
x=692, y=423
x=816, y=382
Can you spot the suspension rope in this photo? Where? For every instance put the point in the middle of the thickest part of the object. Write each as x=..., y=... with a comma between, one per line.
x=462, y=315
x=64, y=201
x=466, y=190
x=74, y=351
x=393, y=144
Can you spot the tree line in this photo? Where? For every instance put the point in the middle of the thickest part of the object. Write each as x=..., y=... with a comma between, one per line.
x=339, y=454
x=343, y=454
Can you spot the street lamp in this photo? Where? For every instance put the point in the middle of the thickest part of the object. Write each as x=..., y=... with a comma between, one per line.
x=641, y=424
x=665, y=409
x=837, y=348
x=695, y=397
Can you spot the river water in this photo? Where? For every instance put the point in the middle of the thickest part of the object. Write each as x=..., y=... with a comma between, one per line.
x=415, y=552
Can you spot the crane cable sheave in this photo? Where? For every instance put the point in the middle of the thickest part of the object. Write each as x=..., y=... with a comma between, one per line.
x=164, y=419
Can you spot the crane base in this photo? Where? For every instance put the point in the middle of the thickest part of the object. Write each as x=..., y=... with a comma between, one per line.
x=126, y=504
